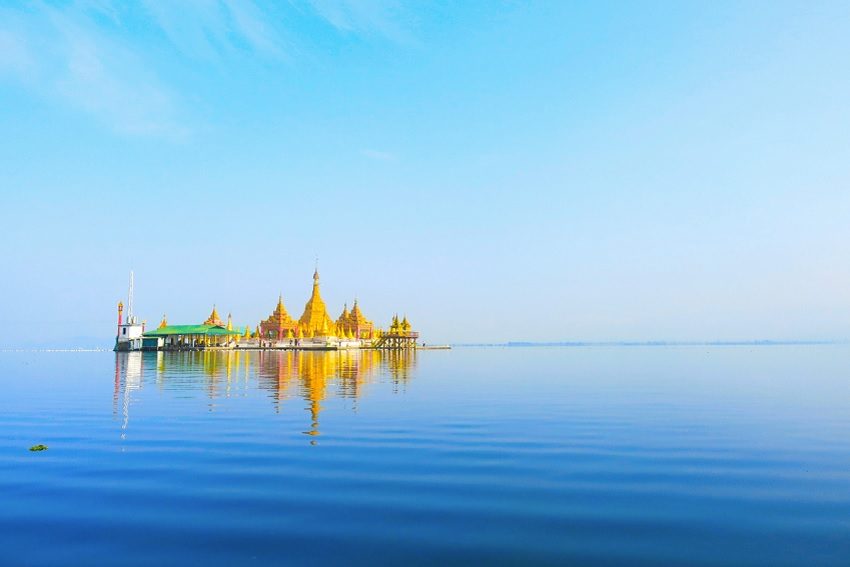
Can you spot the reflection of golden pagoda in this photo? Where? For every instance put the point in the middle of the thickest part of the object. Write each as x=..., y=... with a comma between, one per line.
x=354, y=323
x=277, y=372
x=315, y=320
x=315, y=371
x=399, y=363
x=315, y=377
x=355, y=371
x=214, y=319
x=279, y=325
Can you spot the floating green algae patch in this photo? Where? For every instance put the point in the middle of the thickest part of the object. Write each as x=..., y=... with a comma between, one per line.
x=38, y=448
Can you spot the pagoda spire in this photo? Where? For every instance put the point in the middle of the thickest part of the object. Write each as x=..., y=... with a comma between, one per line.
x=214, y=319
x=315, y=317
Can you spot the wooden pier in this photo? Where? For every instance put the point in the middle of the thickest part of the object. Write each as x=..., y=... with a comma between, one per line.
x=397, y=341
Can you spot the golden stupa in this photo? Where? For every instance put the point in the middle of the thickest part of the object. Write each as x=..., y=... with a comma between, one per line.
x=315, y=320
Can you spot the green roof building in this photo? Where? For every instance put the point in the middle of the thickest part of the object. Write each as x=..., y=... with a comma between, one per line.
x=188, y=336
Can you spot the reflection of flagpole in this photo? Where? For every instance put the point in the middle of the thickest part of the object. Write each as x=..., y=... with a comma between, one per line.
x=125, y=410
x=117, y=387
x=132, y=374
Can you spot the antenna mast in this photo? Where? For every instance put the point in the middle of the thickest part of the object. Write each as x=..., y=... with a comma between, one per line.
x=130, y=318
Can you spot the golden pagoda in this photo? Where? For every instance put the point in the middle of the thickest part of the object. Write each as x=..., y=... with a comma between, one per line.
x=279, y=324
x=354, y=324
x=315, y=320
x=214, y=319
x=164, y=323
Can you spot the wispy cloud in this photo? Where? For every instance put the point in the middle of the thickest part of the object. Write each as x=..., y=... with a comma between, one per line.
x=383, y=17
x=82, y=54
x=62, y=54
x=89, y=55
x=250, y=22
x=105, y=78
x=218, y=28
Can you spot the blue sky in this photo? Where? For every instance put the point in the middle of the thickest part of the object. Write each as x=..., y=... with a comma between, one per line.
x=495, y=170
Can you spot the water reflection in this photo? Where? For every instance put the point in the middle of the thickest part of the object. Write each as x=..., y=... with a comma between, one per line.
x=310, y=376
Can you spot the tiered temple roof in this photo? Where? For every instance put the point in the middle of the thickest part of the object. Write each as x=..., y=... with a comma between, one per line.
x=343, y=317
x=279, y=325
x=214, y=319
x=354, y=323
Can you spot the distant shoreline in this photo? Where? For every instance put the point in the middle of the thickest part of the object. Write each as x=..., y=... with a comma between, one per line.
x=652, y=343
x=531, y=344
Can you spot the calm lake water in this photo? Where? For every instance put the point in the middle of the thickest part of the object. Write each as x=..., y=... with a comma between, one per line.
x=599, y=455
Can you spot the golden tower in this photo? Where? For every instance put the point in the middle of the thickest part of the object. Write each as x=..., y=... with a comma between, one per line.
x=315, y=320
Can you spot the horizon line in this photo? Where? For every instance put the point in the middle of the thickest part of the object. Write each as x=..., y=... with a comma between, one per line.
x=750, y=342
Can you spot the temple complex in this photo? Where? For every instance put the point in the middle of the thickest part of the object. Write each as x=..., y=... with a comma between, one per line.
x=315, y=321
x=314, y=330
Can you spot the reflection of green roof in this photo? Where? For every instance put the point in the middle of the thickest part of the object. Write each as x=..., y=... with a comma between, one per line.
x=212, y=330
